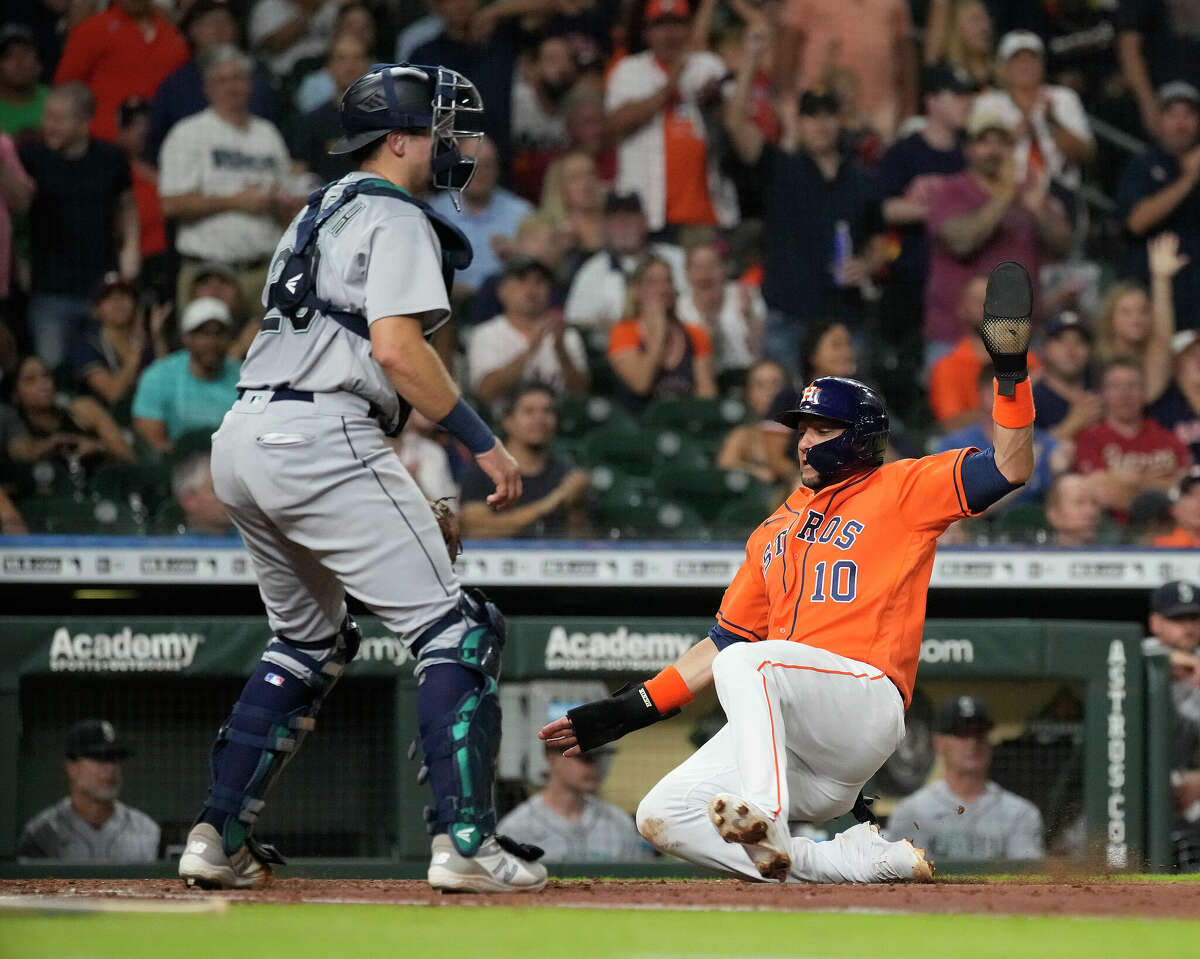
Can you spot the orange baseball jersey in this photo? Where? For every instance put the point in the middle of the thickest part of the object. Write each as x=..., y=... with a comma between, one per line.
x=847, y=568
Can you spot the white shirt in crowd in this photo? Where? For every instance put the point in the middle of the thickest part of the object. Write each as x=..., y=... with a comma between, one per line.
x=532, y=126
x=596, y=299
x=1067, y=109
x=269, y=15
x=641, y=156
x=497, y=343
x=734, y=341
x=204, y=154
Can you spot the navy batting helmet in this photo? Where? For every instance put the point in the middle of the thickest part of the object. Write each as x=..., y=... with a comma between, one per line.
x=860, y=408
x=404, y=96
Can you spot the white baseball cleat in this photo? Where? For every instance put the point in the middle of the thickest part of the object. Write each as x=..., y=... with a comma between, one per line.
x=492, y=869
x=871, y=858
x=205, y=864
x=766, y=841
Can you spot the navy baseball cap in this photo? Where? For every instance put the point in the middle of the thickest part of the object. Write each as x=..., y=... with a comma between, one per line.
x=1064, y=321
x=964, y=714
x=943, y=76
x=95, y=739
x=1176, y=598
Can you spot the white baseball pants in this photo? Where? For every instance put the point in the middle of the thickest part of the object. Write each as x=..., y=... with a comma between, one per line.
x=806, y=729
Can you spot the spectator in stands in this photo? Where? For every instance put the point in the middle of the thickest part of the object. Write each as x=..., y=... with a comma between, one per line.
x=529, y=342
x=1048, y=459
x=827, y=349
x=120, y=344
x=655, y=101
x=597, y=296
x=748, y=447
x=731, y=312
x=1158, y=192
x=289, y=33
x=420, y=31
x=1185, y=511
x=11, y=521
x=873, y=40
x=16, y=195
x=1178, y=409
x=959, y=33
x=207, y=24
x=587, y=131
x=489, y=217
x=1125, y=453
x=348, y=60
x=553, y=494
x=654, y=354
x=22, y=97
x=192, y=488
x=1156, y=44
x=1138, y=326
x=909, y=172
x=133, y=124
x=124, y=51
x=983, y=216
x=1054, y=134
x=568, y=821
x=90, y=824
x=1175, y=629
x=819, y=207
x=966, y=816
x=574, y=201
x=539, y=96
x=83, y=219
x=357, y=21
x=425, y=458
x=221, y=282
x=193, y=388
x=1063, y=395
x=536, y=238
x=1072, y=511
x=75, y=433
x=224, y=178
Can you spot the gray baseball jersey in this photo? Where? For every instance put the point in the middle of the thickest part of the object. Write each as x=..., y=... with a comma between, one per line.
x=323, y=504
x=58, y=832
x=603, y=832
x=997, y=825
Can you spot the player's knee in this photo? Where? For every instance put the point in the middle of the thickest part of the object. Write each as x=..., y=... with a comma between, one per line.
x=651, y=819
x=734, y=662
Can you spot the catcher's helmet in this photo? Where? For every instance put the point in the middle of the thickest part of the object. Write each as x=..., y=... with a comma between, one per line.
x=404, y=96
x=847, y=401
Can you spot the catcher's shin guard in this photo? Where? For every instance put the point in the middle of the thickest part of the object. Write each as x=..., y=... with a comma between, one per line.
x=276, y=710
x=459, y=712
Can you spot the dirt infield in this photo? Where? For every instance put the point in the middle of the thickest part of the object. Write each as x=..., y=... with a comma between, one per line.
x=1113, y=898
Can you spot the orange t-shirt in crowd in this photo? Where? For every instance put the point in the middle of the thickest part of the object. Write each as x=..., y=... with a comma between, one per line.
x=688, y=202
x=627, y=335
x=1179, y=538
x=116, y=58
x=954, y=381
x=846, y=569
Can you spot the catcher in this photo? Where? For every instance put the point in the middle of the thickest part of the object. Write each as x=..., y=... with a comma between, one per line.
x=815, y=648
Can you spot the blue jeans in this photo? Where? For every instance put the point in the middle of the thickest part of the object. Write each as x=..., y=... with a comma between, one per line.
x=54, y=323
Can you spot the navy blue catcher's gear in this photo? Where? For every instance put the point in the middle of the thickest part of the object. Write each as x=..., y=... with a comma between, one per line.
x=403, y=96
x=860, y=408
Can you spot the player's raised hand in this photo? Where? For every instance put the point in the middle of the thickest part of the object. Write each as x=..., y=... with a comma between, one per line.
x=502, y=470
x=561, y=735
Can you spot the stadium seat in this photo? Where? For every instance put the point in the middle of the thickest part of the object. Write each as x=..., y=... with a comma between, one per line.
x=168, y=519
x=709, y=491
x=580, y=415
x=189, y=444
x=680, y=452
x=1021, y=523
x=624, y=449
x=147, y=484
x=740, y=516
x=66, y=515
x=703, y=418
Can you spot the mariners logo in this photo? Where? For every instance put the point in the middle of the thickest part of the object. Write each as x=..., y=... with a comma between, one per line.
x=811, y=394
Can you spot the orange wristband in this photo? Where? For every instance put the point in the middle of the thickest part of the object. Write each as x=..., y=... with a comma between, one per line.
x=1014, y=412
x=668, y=690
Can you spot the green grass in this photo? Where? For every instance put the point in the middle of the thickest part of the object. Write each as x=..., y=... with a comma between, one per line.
x=365, y=932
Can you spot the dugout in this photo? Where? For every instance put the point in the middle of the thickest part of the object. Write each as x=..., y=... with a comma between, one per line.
x=1082, y=718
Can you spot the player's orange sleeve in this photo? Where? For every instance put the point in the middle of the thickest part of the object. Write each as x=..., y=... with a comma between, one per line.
x=745, y=609
x=624, y=336
x=929, y=491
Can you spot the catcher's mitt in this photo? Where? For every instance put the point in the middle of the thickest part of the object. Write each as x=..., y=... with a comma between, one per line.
x=447, y=520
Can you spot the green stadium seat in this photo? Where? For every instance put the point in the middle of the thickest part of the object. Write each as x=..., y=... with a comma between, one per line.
x=1021, y=523
x=709, y=491
x=680, y=452
x=740, y=516
x=705, y=418
x=168, y=519
x=624, y=449
x=145, y=483
x=67, y=515
x=189, y=444
x=580, y=415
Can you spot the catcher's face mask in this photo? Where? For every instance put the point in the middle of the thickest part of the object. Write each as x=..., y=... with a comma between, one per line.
x=457, y=115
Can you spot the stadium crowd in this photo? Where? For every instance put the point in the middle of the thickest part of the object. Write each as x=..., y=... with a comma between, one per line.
x=683, y=210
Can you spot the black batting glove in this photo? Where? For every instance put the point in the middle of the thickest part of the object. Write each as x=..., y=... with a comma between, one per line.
x=606, y=720
x=1007, y=324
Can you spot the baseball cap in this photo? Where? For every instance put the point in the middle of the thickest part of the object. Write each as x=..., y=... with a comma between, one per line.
x=667, y=10
x=1064, y=321
x=522, y=263
x=1017, y=40
x=962, y=713
x=12, y=33
x=1178, y=90
x=1182, y=340
x=818, y=100
x=200, y=311
x=623, y=203
x=112, y=281
x=1176, y=598
x=94, y=739
x=992, y=113
x=944, y=76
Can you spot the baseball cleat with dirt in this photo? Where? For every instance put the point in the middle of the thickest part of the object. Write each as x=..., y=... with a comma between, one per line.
x=492, y=869
x=870, y=858
x=765, y=840
x=205, y=865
